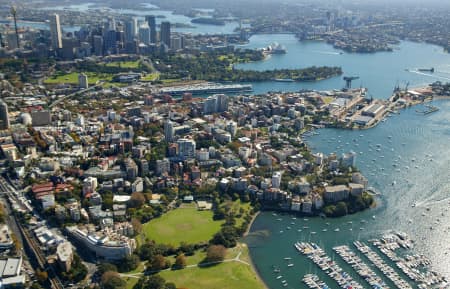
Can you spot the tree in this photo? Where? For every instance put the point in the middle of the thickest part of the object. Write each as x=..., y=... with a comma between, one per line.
x=152, y=282
x=137, y=226
x=215, y=253
x=341, y=209
x=112, y=280
x=105, y=267
x=227, y=237
x=158, y=263
x=41, y=276
x=137, y=200
x=129, y=263
x=180, y=261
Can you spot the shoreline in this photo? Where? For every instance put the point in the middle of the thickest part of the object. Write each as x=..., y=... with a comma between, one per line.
x=252, y=264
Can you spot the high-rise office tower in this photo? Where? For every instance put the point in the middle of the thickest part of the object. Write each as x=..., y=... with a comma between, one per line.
x=98, y=45
x=4, y=118
x=55, y=31
x=144, y=34
x=151, y=21
x=169, y=131
x=165, y=33
x=131, y=29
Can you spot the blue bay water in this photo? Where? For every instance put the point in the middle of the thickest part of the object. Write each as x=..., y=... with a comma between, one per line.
x=412, y=166
x=379, y=72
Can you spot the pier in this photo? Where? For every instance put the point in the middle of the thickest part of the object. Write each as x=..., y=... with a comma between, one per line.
x=429, y=109
x=360, y=267
x=330, y=267
x=313, y=282
x=410, y=264
x=381, y=265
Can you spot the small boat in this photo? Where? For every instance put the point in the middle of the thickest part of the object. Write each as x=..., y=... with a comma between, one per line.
x=279, y=277
x=324, y=230
x=336, y=230
x=373, y=217
x=290, y=265
x=287, y=258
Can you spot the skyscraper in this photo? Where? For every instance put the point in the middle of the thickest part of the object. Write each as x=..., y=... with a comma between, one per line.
x=131, y=29
x=55, y=31
x=83, y=81
x=168, y=131
x=98, y=45
x=151, y=21
x=4, y=118
x=165, y=33
x=144, y=34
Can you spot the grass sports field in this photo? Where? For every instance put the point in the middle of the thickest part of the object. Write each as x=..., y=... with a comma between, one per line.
x=183, y=224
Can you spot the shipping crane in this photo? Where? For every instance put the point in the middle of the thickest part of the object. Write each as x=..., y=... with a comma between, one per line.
x=348, y=81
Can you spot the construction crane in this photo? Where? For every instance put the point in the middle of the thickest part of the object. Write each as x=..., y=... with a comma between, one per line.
x=348, y=81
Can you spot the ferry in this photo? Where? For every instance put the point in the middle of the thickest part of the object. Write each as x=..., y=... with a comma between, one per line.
x=283, y=80
x=426, y=69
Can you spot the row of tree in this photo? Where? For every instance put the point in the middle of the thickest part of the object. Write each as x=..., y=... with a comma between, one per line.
x=213, y=66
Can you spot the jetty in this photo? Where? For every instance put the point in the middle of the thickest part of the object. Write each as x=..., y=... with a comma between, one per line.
x=388, y=271
x=313, y=282
x=360, y=267
x=429, y=109
x=327, y=265
x=409, y=264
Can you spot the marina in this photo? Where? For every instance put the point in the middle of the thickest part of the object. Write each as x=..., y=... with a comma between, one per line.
x=330, y=267
x=360, y=267
x=381, y=265
x=314, y=282
x=413, y=265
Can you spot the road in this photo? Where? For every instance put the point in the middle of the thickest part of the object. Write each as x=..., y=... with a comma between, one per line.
x=27, y=239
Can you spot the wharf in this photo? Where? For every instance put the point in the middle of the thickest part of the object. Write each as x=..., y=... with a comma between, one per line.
x=409, y=264
x=330, y=267
x=381, y=265
x=360, y=267
x=313, y=282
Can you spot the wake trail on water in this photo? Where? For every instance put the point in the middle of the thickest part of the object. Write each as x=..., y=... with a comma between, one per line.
x=326, y=52
x=429, y=75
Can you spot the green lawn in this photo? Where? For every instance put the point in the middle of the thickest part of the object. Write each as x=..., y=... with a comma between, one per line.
x=225, y=275
x=131, y=281
x=72, y=78
x=182, y=224
x=150, y=77
x=124, y=64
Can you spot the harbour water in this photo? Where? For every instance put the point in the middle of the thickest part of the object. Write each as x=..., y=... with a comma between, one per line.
x=411, y=171
x=379, y=72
